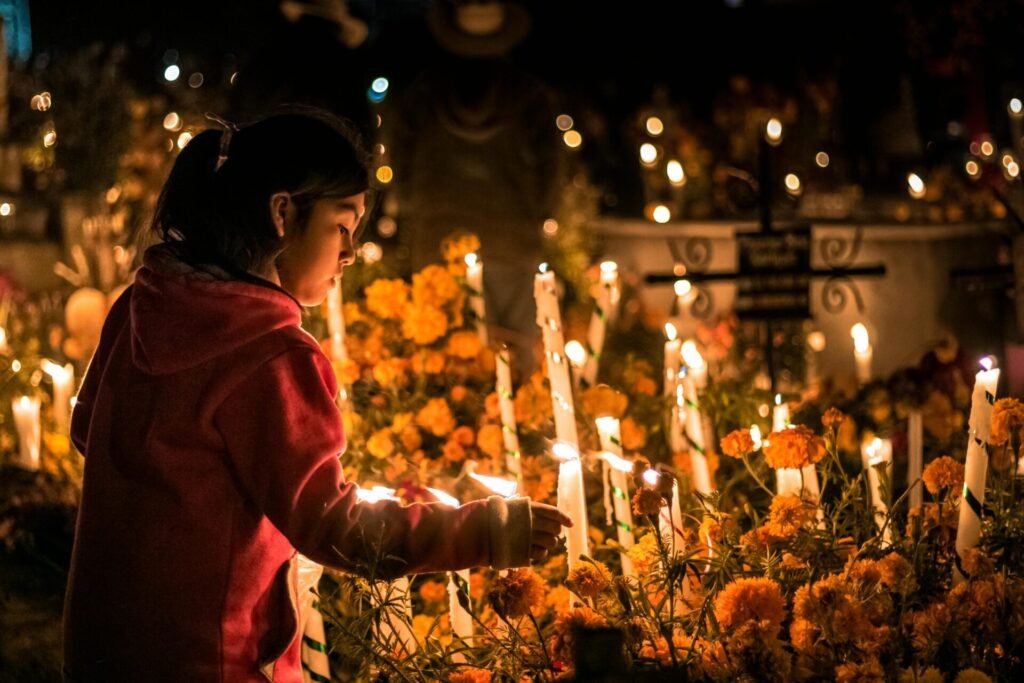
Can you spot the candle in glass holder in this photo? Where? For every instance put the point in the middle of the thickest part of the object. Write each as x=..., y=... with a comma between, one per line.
x=572, y=501
x=509, y=429
x=603, y=312
x=26, y=422
x=549, y=318
x=619, y=472
x=695, y=379
x=976, y=467
x=475, y=284
x=877, y=458
x=862, y=352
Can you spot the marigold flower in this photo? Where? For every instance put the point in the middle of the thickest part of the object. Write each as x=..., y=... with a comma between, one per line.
x=428, y=362
x=943, y=473
x=928, y=675
x=387, y=298
x=896, y=574
x=590, y=578
x=380, y=444
x=601, y=400
x=647, y=501
x=793, y=448
x=433, y=591
x=634, y=435
x=436, y=417
x=972, y=676
x=517, y=593
x=410, y=438
x=464, y=435
x=738, y=443
x=424, y=324
x=644, y=554
x=788, y=514
x=464, y=344
x=833, y=417
x=467, y=675
x=455, y=247
x=490, y=440
x=390, y=372
x=434, y=286
x=453, y=450
x=566, y=624
x=868, y=671
x=492, y=406
x=1007, y=417
x=754, y=599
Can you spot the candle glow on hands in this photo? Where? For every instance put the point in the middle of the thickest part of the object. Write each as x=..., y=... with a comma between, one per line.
x=861, y=340
x=506, y=488
x=444, y=498
x=376, y=494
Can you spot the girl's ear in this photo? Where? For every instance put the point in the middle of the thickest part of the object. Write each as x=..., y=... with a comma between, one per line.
x=281, y=207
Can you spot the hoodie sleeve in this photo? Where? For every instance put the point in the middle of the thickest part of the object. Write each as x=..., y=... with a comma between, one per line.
x=284, y=436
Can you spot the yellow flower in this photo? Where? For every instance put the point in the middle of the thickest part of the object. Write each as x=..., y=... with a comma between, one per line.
x=793, y=448
x=490, y=440
x=464, y=345
x=352, y=313
x=533, y=403
x=380, y=444
x=943, y=473
x=590, y=578
x=868, y=671
x=644, y=554
x=601, y=400
x=789, y=514
x=896, y=574
x=455, y=247
x=753, y=599
x=566, y=625
x=634, y=435
x=387, y=298
x=434, y=287
x=422, y=625
x=390, y=373
x=410, y=438
x=738, y=443
x=972, y=676
x=424, y=324
x=517, y=593
x=1007, y=416
x=436, y=417
x=400, y=421
x=429, y=362
x=346, y=371
x=433, y=591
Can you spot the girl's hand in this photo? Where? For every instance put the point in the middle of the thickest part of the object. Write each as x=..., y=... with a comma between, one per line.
x=547, y=527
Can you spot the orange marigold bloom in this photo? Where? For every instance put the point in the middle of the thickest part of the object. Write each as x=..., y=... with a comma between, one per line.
x=410, y=438
x=464, y=344
x=833, y=417
x=428, y=362
x=454, y=451
x=351, y=313
x=566, y=624
x=896, y=574
x=647, y=501
x=455, y=247
x=590, y=578
x=1007, y=417
x=788, y=514
x=387, y=298
x=533, y=403
x=793, y=448
x=459, y=392
x=346, y=371
x=424, y=324
x=492, y=405
x=943, y=473
x=434, y=286
x=754, y=599
x=634, y=435
x=436, y=417
x=517, y=593
x=490, y=440
x=380, y=444
x=738, y=443
x=433, y=591
x=467, y=675
x=803, y=634
x=868, y=671
x=390, y=372
x=464, y=435
x=972, y=676
x=602, y=400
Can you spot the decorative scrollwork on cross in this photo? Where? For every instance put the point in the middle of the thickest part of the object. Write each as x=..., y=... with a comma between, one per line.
x=703, y=303
x=694, y=256
x=834, y=296
x=839, y=252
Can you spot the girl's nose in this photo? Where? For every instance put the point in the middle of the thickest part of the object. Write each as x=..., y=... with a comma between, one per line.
x=347, y=255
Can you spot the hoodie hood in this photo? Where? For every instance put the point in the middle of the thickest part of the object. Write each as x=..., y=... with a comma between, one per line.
x=182, y=317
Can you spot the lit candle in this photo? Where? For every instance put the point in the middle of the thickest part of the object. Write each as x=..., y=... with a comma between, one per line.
x=336, y=323
x=685, y=295
x=603, y=311
x=695, y=379
x=577, y=356
x=549, y=319
x=572, y=500
x=815, y=345
x=618, y=470
x=509, y=430
x=862, y=352
x=63, y=382
x=673, y=346
x=475, y=284
x=787, y=480
x=915, y=456
x=877, y=457
x=26, y=422
x=670, y=528
x=461, y=619
x=975, y=469
x=3, y=340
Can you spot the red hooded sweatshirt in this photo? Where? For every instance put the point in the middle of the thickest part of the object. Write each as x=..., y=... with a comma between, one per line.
x=211, y=443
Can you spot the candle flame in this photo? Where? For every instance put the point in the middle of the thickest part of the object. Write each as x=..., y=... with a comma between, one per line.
x=755, y=436
x=543, y=268
x=445, y=498
x=651, y=477
x=609, y=267
x=564, y=451
x=682, y=287
x=471, y=259
x=58, y=373
x=861, y=340
x=607, y=424
x=876, y=452
x=691, y=356
x=988, y=362
x=617, y=463
x=670, y=331
x=576, y=353
x=506, y=488
x=778, y=399
x=24, y=402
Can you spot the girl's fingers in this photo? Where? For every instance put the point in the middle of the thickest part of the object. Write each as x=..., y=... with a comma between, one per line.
x=546, y=526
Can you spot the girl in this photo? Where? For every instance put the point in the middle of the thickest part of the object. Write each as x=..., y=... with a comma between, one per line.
x=210, y=434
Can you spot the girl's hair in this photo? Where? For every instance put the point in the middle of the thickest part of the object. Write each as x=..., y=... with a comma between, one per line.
x=219, y=213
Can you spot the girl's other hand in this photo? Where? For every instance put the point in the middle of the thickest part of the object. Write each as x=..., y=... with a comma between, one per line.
x=547, y=527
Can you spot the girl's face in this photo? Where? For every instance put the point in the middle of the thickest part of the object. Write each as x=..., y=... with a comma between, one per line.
x=314, y=256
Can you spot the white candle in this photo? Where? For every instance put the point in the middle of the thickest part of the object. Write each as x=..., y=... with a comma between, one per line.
x=862, y=352
x=26, y=422
x=915, y=456
x=976, y=468
x=336, y=323
x=3, y=340
x=877, y=457
x=618, y=471
x=509, y=430
x=572, y=501
x=696, y=378
x=685, y=295
x=63, y=383
x=670, y=528
x=577, y=356
x=673, y=346
x=314, y=639
x=461, y=620
x=603, y=311
x=549, y=319
x=475, y=284
x=787, y=480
